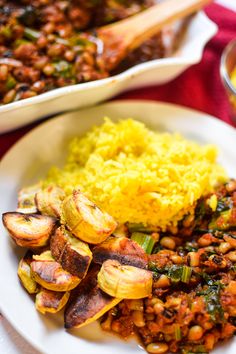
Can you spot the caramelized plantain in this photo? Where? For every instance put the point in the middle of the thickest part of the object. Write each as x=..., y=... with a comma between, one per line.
x=50, y=301
x=74, y=255
x=87, y=302
x=85, y=220
x=24, y=273
x=29, y=230
x=123, y=281
x=26, y=202
x=122, y=249
x=50, y=274
x=49, y=200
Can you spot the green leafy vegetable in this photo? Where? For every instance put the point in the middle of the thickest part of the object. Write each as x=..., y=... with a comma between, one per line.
x=212, y=300
x=31, y=34
x=176, y=273
x=224, y=204
x=222, y=222
x=62, y=69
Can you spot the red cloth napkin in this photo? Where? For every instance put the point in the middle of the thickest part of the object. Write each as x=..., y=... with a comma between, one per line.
x=199, y=87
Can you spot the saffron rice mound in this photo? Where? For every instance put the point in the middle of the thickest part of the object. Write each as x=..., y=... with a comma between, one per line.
x=138, y=175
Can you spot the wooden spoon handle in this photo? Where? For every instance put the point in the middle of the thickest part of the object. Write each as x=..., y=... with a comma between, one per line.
x=136, y=29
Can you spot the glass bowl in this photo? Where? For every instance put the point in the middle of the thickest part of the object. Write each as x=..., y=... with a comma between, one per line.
x=227, y=65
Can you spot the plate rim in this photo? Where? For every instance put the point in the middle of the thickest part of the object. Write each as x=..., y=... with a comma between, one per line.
x=50, y=121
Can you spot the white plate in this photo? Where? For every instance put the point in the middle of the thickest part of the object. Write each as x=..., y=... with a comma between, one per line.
x=29, y=160
x=199, y=31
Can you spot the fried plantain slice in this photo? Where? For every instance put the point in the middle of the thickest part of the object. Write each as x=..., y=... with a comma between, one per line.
x=121, y=249
x=49, y=200
x=123, y=281
x=50, y=274
x=29, y=230
x=24, y=273
x=26, y=202
x=51, y=301
x=85, y=220
x=74, y=255
x=87, y=302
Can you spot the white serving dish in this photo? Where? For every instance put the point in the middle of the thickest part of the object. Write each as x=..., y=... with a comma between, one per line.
x=17, y=114
x=28, y=161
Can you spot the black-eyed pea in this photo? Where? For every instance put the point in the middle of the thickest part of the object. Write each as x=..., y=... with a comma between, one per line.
x=193, y=259
x=138, y=319
x=48, y=69
x=3, y=72
x=195, y=333
x=232, y=287
x=205, y=240
x=230, y=240
x=158, y=308
x=162, y=282
x=9, y=96
x=155, y=300
x=69, y=55
x=224, y=247
x=176, y=259
x=168, y=242
x=231, y=186
x=157, y=348
x=231, y=256
x=218, y=261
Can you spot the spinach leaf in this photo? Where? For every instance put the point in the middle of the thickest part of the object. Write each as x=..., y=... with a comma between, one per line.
x=212, y=300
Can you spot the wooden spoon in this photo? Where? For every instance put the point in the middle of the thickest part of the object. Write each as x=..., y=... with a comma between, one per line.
x=123, y=36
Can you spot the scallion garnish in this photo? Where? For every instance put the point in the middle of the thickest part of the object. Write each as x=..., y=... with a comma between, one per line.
x=31, y=34
x=186, y=274
x=178, y=335
x=144, y=240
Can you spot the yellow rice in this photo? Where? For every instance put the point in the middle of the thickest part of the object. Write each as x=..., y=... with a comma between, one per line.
x=138, y=175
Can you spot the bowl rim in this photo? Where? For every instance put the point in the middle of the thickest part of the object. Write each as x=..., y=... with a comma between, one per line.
x=223, y=70
x=125, y=75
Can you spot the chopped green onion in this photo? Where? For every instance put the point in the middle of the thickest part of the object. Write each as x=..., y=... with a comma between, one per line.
x=31, y=34
x=144, y=240
x=79, y=41
x=178, y=335
x=186, y=274
x=21, y=41
x=6, y=31
x=11, y=83
x=62, y=69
